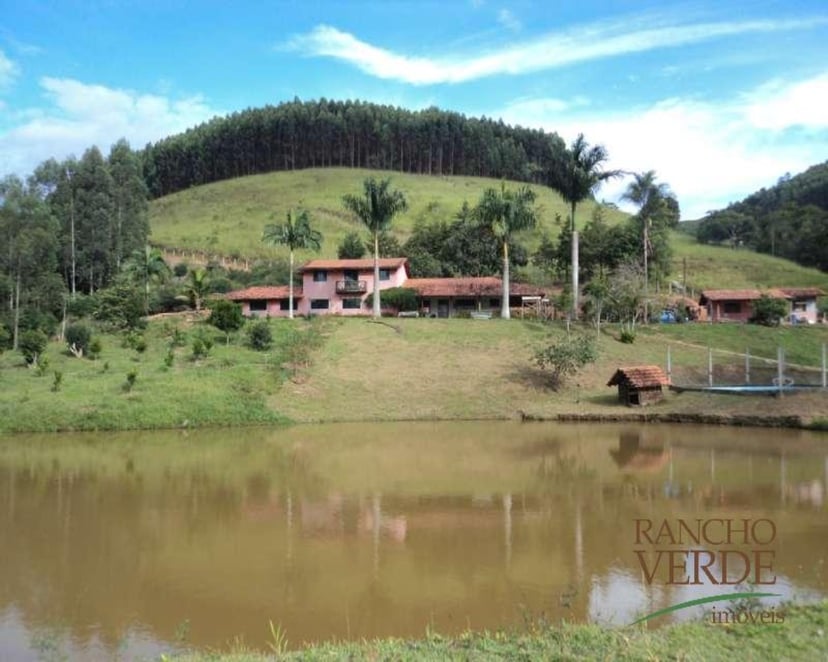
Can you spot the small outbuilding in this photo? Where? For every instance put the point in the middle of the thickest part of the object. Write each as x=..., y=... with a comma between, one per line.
x=639, y=385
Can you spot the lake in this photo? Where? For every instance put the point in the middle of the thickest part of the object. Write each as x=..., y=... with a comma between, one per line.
x=144, y=542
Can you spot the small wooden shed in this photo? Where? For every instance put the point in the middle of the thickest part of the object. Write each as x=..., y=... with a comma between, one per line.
x=639, y=385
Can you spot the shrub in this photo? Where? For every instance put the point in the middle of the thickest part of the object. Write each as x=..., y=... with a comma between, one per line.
x=180, y=269
x=259, y=336
x=399, y=298
x=627, y=335
x=32, y=344
x=131, y=378
x=78, y=338
x=566, y=356
x=95, y=348
x=226, y=316
x=5, y=338
x=57, y=381
x=120, y=306
x=768, y=311
x=201, y=346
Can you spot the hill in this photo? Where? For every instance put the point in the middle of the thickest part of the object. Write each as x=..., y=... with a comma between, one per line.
x=227, y=217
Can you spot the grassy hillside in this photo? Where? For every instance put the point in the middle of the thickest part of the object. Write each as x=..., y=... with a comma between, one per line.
x=228, y=217
x=718, y=266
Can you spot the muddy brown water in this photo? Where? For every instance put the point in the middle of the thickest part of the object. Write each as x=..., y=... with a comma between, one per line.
x=134, y=544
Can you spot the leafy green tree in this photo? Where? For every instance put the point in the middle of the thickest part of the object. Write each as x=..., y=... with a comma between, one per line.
x=566, y=356
x=32, y=344
x=295, y=234
x=226, y=316
x=507, y=212
x=94, y=213
x=351, y=248
x=375, y=209
x=78, y=338
x=400, y=298
x=120, y=306
x=130, y=224
x=768, y=311
x=576, y=175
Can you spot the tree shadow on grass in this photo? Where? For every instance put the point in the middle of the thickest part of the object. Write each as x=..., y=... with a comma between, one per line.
x=606, y=399
x=532, y=378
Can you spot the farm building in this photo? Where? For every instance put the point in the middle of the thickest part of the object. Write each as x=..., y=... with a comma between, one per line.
x=639, y=385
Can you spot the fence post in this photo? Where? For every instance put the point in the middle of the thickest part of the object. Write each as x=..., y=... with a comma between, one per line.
x=670, y=365
x=780, y=359
x=710, y=366
x=747, y=365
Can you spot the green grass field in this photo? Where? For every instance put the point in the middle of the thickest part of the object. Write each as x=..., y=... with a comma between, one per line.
x=338, y=369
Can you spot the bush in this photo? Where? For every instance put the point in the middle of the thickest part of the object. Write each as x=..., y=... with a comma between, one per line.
x=768, y=311
x=180, y=269
x=259, y=336
x=226, y=316
x=131, y=378
x=78, y=338
x=81, y=305
x=120, y=306
x=201, y=346
x=32, y=344
x=566, y=356
x=399, y=298
x=57, y=381
x=95, y=348
x=627, y=335
x=169, y=359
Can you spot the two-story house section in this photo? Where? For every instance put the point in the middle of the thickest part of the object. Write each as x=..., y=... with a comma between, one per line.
x=328, y=287
x=340, y=287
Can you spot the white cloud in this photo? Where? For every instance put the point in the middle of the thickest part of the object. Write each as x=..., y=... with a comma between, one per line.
x=709, y=153
x=8, y=71
x=552, y=50
x=508, y=20
x=80, y=115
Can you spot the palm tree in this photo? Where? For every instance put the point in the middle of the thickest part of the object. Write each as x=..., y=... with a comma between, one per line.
x=198, y=286
x=145, y=266
x=650, y=197
x=576, y=178
x=376, y=208
x=294, y=234
x=507, y=212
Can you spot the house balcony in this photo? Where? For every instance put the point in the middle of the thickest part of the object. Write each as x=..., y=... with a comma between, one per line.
x=351, y=287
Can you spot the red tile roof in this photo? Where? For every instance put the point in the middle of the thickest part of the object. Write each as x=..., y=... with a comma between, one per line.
x=265, y=292
x=361, y=265
x=640, y=376
x=742, y=295
x=468, y=287
x=803, y=292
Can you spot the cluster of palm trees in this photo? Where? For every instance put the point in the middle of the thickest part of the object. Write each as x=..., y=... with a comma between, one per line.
x=507, y=211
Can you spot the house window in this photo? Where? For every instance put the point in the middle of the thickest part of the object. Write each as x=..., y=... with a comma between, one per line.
x=732, y=307
x=351, y=304
x=258, y=306
x=385, y=274
x=284, y=304
x=320, y=276
x=800, y=306
x=351, y=274
x=464, y=303
x=319, y=304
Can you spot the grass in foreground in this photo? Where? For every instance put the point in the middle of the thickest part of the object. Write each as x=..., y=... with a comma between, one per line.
x=803, y=636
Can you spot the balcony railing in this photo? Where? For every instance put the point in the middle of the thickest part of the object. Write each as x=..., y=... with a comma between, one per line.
x=351, y=287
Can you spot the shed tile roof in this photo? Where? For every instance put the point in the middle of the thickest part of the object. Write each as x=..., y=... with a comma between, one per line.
x=468, y=287
x=363, y=265
x=264, y=293
x=640, y=376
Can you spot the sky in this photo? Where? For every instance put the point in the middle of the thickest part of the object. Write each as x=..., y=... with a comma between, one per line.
x=719, y=98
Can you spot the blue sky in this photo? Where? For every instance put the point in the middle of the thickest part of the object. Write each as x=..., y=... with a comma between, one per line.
x=719, y=98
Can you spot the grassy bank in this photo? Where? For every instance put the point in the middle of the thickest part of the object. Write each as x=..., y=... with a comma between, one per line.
x=336, y=369
x=803, y=636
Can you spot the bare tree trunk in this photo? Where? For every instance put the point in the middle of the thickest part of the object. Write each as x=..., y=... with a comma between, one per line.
x=504, y=302
x=16, y=340
x=575, y=266
x=72, y=241
x=377, y=310
x=290, y=288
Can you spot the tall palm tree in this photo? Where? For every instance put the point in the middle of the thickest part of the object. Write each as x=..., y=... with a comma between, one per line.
x=507, y=212
x=376, y=207
x=293, y=233
x=576, y=177
x=650, y=198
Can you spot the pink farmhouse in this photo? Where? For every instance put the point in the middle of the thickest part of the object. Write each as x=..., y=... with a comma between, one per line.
x=341, y=287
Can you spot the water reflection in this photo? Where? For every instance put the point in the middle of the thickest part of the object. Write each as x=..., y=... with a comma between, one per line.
x=112, y=542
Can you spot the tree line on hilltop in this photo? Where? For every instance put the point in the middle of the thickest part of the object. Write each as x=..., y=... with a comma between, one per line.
x=788, y=220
